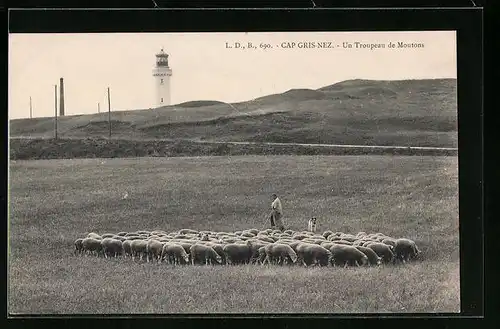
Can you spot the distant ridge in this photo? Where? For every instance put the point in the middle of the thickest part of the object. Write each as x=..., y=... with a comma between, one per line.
x=358, y=112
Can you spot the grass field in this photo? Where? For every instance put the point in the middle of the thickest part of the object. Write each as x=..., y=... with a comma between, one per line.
x=52, y=202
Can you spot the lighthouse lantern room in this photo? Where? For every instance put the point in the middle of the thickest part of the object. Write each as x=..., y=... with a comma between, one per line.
x=162, y=73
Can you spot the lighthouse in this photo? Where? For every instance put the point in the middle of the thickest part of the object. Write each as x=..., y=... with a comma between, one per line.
x=162, y=74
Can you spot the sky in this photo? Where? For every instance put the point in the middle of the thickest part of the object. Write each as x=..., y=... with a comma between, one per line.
x=204, y=68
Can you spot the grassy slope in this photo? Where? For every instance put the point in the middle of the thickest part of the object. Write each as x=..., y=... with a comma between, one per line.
x=400, y=196
x=410, y=112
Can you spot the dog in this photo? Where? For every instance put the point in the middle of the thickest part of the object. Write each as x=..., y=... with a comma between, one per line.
x=311, y=225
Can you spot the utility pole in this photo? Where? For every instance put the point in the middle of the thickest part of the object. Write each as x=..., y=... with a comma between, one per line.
x=55, y=103
x=98, y=108
x=31, y=110
x=109, y=114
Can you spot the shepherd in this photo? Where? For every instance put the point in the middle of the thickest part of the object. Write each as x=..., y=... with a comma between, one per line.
x=276, y=213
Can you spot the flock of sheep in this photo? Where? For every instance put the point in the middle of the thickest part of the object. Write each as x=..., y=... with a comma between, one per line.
x=251, y=246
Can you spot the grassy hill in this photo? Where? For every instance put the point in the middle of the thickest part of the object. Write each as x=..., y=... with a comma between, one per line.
x=367, y=112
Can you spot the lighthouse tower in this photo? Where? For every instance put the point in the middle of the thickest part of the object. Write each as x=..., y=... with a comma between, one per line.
x=162, y=74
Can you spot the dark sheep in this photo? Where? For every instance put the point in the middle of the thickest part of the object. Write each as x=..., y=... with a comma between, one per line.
x=294, y=245
x=327, y=244
x=174, y=254
x=265, y=239
x=92, y=246
x=347, y=255
x=139, y=248
x=204, y=254
x=254, y=246
x=237, y=253
x=127, y=248
x=133, y=237
x=382, y=250
x=281, y=253
x=326, y=234
x=187, y=231
x=334, y=237
x=154, y=249
x=373, y=258
x=311, y=254
x=262, y=255
x=184, y=244
x=219, y=249
x=389, y=242
x=247, y=235
x=348, y=237
x=112, y=247
x=406, y=249
x=78, y=246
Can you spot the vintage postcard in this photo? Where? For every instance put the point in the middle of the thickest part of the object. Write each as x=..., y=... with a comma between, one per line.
x=205, y=173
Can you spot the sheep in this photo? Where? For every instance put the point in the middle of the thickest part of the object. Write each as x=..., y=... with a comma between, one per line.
x=348, y=237
x=91, y=245
x=112, y=247
x=406, y=249
x=344, y=242
x=254, y=231
x=373, y=258
x=175, y=254
x=327, y=244
x=118, y=237
x=154, y=249
x=289, y=232
x=254, y=246
x=382, y=250
x=107, y=235
x=333, y=237
x=389, y=242
x=127, y=248
x=247, y=234
x=204, y=254
x=262, y=255
x=219, y=249
x=265, y=239
x=281, y=252
x=143, y=232
x=237, y=253
x=294, y=245
x=78, y=246
x=204, y=236
x=139, y=248
x=121, y=233
x=184, y=244
x=131, y=234
x=230, y=240
x=133, y=237
x=312, y=254
x=326, y=234
x=312, y=241
x=187, y=231
x=347, y=255
x=94, y=236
